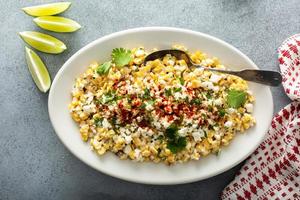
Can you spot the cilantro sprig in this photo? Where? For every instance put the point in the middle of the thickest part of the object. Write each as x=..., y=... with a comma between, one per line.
x=236, y=98
x=109, y=97
x=121, y=56
x=174, y=142
x=98, y=121
x=222, y=112
x=104, y=68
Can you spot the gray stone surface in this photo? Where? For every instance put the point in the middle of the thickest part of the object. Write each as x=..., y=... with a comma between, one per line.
x=33, y=162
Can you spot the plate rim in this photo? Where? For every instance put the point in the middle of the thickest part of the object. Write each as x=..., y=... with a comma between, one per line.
x=142, y=29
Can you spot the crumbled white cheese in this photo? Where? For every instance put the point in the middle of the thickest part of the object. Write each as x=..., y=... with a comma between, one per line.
x=216, y=88
x=149, y=107
x=218, y=137
x=137, y=153
x=105, y=123
x=183, y=132
x=139, y=53
x=218, y=102
x=122, y=130
x=197, y=135
x=198, y=70
x=150, y=132
x=179, y=68
x=210, y=85
x=127, y=149
x=231, y=110
x=157, y=125
x=128, y=139
x=171, y=62
x=195, y=126
x=89, y=108
x=179, y=95
x=165, y=123
x=250, y=92
x=228, y=124
x=90, y=97
x=111, y=107
x=249, y=107
x=210, y=102
x=207, y=84
x=215, y=78
x=74, y=90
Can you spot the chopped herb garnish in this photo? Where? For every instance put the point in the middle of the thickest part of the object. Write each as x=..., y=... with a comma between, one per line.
x=196, y=101
x=205, y=134
x=171, y=131
x=177, y=145
x=143, y=106
x=121, y=56
x=151, y=102
x=181, y=80
x=161, y=137
x=98, y=121
x=236, y=98
x=168, y=92
x=175, y=142
x=222, y=112
x=109, y=97
x=146, y=94
x=113, y=120
x=177, y=89
x=104, y=68
x=210, y=127
x=208, y=95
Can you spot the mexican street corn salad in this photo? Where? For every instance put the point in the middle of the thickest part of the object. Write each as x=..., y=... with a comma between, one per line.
x=161, y=111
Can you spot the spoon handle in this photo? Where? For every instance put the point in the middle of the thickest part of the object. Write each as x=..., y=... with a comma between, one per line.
x=271, y=78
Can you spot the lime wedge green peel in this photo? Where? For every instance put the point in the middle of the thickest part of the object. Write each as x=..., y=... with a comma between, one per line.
x=43, y=42
x=57, y=24
x=38, y=70
x=47, y=9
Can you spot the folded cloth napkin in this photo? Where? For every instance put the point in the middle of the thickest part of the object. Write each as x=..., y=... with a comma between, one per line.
x=273, y=170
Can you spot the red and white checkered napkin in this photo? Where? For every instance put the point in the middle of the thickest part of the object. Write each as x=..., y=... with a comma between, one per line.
x=273, y=170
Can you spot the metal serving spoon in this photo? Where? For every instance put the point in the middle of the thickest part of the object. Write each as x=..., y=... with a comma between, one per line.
x=271, y=78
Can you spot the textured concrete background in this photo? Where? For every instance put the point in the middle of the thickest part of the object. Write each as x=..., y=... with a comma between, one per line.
x=33, y=162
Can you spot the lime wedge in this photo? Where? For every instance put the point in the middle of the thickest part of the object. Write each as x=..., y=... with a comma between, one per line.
x=47, y=9
x=57, y=24
x=38, y=70
x=43, y=42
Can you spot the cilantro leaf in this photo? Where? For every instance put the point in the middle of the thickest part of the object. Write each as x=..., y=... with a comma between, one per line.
x=168, y=92
x=146, y=94
x=181, y=80
x=236, y=98
x=177, y=145
x=171, y=131
x=109, y=97
x=177, y=89
x=205, y=134
x=208, y=95
x=222, y=112
x=121, y=56
x=174, y=142
x=196, y=101
x=98, y=121
x=104, y=68
x=143, y=106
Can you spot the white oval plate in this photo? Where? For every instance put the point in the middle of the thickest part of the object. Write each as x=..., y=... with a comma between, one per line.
x=160, y=37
